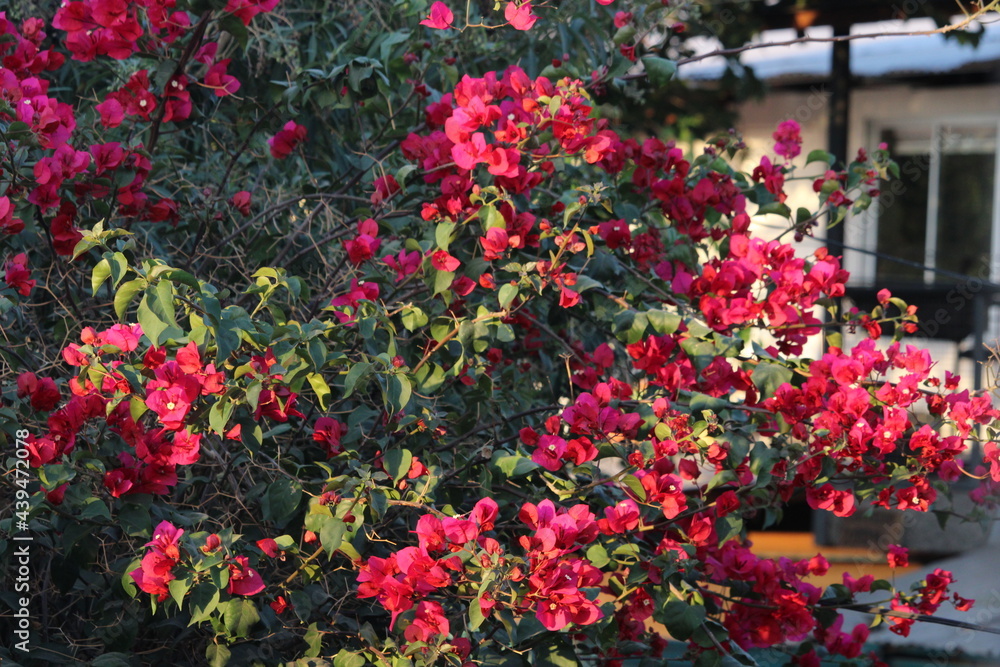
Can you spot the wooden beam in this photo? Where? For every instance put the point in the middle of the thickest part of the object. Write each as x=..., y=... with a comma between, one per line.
x=842, y=14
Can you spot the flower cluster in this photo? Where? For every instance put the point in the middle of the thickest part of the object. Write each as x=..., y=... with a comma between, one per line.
x=166, y=553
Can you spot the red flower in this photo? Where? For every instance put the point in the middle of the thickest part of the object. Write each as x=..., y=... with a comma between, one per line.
x=840, y=502
x=246, y=10
x=241, y=202
x=269, y=547
x=442, y=261
x=56, y=495
x=156, y=570
x=364, y=246
x=898, y=556
x=8, y=223
x=17, y=276
x=43, y=392
x=286, y=140
x=243, y=579
x=212, y=544
x=385, y=188
x=328, y=432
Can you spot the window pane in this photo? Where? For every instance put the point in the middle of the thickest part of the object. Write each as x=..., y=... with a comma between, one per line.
x=902, y=213
x=965, y=214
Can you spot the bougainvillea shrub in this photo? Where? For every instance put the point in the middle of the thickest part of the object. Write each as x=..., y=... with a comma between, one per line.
x=345, y=335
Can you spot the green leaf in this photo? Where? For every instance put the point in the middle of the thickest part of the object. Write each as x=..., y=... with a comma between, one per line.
x=663, y=322
x=234, y=26
x=218, y=655
x=156, y=313
x=633, y=483
x=476, y=617
x=442, y=281
x=220, y=577
x=111, y=660
x=179, y=588
x=413, y=318
x=183, y=277
x=165, y=70
x=281, y=500
x=767, y=377
x=348, y=659
x=354, y=375
x=125, y=295
x=320, y=388
x=331, y=535
x=442, y=234
x=491, y=217
x=638, y=328
x=240, y=616
x=554, y=654
x=624, y=34
x=397, y=463
x=598, y=556
x=507, y=294
x=399, y=391
x=96, y=509
x=680, y=618
x=659, y=70
x=100, y=273
x=441, y=328
x=775, y=208
x=314, y=638
x=700, y=402
x=514, y=465
x=819, y=155
x=203, y=601
x=219, y=414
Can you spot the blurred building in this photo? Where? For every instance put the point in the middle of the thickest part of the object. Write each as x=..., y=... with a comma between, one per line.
x=933, y=239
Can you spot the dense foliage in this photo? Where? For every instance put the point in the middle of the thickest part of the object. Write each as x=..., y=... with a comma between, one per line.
x=363, y=334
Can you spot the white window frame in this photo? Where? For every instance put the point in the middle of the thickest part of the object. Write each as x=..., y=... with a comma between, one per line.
x=862, y=231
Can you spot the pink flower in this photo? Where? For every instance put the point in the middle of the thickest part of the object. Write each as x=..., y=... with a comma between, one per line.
x=621, y=518
x=8, y=223
x=549, y=452
x=430, y=622
x=218, y=80
x=440, y=18
x=788, y=140
x=519, y=16
x=171, y=405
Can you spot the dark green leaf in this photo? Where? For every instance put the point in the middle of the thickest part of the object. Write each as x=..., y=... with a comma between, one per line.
x=660, y=70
